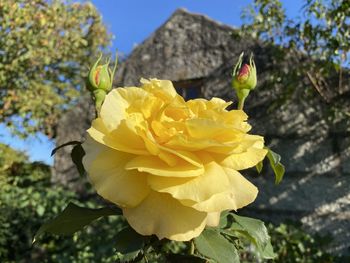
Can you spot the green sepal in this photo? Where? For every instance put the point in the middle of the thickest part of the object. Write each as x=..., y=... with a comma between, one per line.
x=259, y=166
x=91, y=79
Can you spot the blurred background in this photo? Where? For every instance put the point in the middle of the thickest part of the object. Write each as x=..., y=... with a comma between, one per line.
x=301, y=106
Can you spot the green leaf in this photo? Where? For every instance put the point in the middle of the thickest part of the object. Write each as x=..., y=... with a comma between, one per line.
x=268, y=252
x=130, y=244
x=225, y=219
x=259, y=166
x=214, y=246
x=64, y=145
x=77, y=155
x=256, y=231
x=73, y=218
x=176, y=258
x=277, y=167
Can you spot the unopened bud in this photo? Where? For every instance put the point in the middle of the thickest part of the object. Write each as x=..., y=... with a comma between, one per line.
x=244, y=79
x=101, y=76
x=100, y=81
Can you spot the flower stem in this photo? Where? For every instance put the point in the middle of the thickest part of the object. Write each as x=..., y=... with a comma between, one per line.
x=192, y=247
x=241, y=104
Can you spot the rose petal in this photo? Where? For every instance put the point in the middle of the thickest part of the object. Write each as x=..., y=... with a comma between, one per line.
x=122, y=139
x=249, y=158
x=153, y=165
x=164, y=216
x=162, y=89
x=106, y=172
x=140, y=101
x=113, y=109
x=215, y=191
x=213, y=219
x=213, y=181
x=241, y=193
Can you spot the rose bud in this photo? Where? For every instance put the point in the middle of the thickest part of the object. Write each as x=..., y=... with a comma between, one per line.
x=244, y=79
x=100, y=77
x=100, y=81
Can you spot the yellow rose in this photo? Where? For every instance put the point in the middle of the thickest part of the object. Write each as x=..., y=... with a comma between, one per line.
x=171, y=165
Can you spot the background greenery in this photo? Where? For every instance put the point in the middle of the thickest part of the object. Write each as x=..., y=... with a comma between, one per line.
x=27, y=199
x=45, y=49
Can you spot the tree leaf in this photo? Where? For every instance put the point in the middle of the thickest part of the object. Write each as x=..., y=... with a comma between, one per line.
x=130, y=244
x=77, y=155
x=276, y=165
x=64, y=145
x=256, y=231
x=214, y=246
x=73, y=218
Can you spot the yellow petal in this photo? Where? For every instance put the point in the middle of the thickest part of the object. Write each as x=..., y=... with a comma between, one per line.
x=106, y=172
x=213, y=181
x=216, y=203
x=122, y=139
x=205, y=128
x=249, y=158
x=113, y=109
x=183, y=142
x=162, y=89
x=155, y=148
x=153, y=165
x=140, y=101
x=213, y=219
x=215, y=191
x=243, y=191
x=190, y=157
x=162, y=215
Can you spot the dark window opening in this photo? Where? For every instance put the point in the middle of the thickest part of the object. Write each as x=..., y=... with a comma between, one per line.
x=189, y=89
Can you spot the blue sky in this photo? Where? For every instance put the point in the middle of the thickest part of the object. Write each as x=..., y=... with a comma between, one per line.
x=131, y=22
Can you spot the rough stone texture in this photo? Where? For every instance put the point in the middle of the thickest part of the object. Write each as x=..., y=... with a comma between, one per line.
x=193, y=50
x=71, y=128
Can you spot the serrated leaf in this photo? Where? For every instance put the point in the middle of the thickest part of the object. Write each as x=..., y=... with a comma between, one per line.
x=213, y=245
x=268, y=252
x=73, y=218
x=256, y=231
x=64, y=145
x=259, y=166
x=77, y=155
x=129, y=243
x=276, y=165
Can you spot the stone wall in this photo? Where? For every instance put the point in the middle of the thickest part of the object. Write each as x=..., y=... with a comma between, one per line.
x=193, y=50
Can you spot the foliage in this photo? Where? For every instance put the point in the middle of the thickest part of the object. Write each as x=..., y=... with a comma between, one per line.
x=46, y=48
x=292, y=244
x=9, y=156
x=275, y=164
x=220, y=244
x=27, y=199
x=318, y=41
x=323, y=32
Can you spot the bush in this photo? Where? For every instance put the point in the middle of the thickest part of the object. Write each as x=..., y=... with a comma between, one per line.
x=27, y=200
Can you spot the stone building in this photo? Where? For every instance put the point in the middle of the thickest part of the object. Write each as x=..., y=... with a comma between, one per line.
x=198, y=55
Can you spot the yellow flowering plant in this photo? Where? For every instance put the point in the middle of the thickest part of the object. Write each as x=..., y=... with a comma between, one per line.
x=171, y=168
